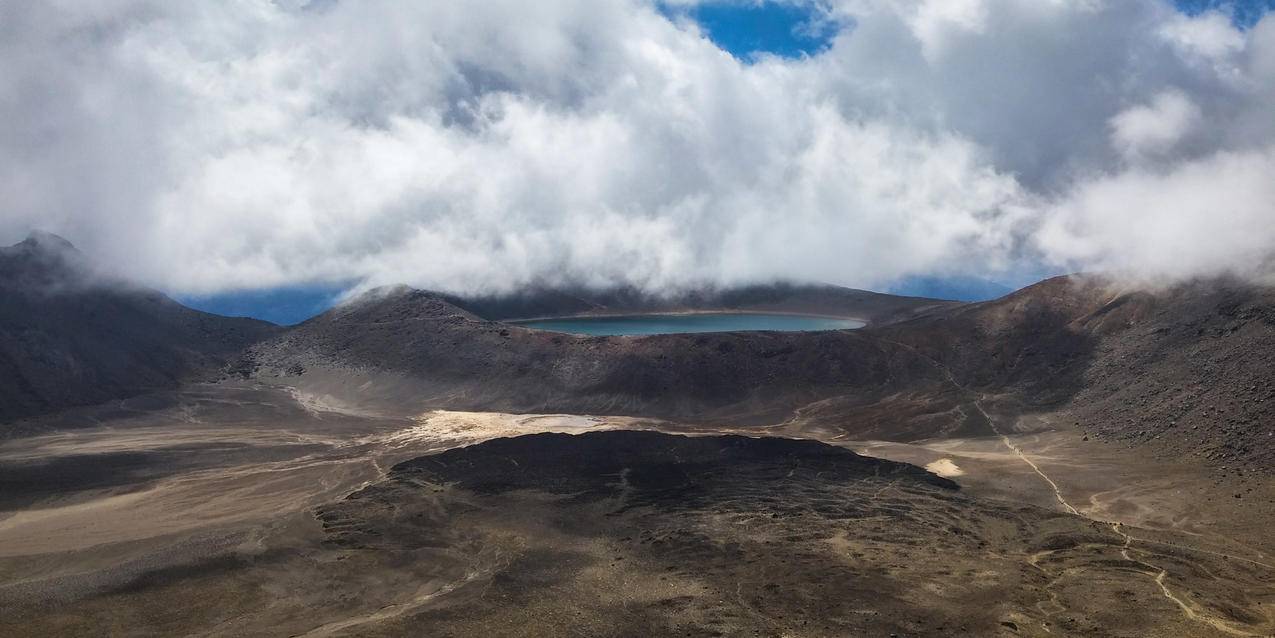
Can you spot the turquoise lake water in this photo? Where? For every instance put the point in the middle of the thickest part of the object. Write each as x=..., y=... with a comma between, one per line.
x=706, y=322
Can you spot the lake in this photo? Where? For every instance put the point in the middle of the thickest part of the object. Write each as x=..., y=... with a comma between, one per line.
x=701, y=322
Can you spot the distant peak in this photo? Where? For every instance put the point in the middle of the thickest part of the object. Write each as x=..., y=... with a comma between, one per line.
x=42, y=240
x=397, y=302
x=41, y=261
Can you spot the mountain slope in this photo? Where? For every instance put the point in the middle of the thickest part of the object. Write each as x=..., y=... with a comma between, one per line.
x=426, y=352
x=1184, y=368
x=875, y=308
x=69, y=337
x=1189, y=363
x=1187, y=367
x=1190, y=369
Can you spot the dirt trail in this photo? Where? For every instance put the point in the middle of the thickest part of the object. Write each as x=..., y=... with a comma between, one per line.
x=1158, y=574
x=425, y=595
x=1026, y=459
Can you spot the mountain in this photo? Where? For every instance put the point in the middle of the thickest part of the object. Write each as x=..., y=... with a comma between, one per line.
x=69, y=336
x=1183, y=368
x=406, y=349
x=1186, y=367
x=73, y=337
x=872, y=307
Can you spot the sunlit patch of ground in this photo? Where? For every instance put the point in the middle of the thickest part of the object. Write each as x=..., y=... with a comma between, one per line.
x=463, y=428
x=944, y=467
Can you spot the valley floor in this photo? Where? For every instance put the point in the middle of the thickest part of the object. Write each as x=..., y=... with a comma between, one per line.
x=249, y=510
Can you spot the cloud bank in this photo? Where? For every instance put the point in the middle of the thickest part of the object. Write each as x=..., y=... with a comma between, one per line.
x=203, y=147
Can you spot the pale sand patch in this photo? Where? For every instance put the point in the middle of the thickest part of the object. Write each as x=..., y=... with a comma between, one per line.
x=944, y=467
x=464, y=428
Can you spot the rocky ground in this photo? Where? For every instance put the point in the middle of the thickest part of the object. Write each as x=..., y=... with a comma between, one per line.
x=245, y=510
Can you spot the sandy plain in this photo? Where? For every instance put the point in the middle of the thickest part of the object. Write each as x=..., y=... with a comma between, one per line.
x=239, y=509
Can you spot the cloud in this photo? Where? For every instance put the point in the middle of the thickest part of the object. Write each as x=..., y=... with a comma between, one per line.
x=1210, y=35
x=1205, y=217
x=1155, y=127
x=206, y=147
x=936, y=20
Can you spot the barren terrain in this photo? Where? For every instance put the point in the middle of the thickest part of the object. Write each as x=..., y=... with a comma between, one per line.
x=1077, y=458
x=252, y=510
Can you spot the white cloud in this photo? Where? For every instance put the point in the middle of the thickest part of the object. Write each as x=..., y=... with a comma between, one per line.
x=1209, y=35
x=934, y=20
x=1205, y=217
x=201, y=147
x=1156, y=127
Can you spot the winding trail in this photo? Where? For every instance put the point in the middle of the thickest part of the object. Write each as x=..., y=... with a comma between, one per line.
x=1158, y=574
x=1189, y=609
x=1026, y=459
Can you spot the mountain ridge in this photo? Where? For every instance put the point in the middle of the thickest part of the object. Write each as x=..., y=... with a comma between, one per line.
x=1121, y=363
x=1061, y=345
x=70, y=336
x=816, y=299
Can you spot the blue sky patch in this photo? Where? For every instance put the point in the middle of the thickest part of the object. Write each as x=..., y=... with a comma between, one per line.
x=1244, y=13
x=796, y=28
x=285, y=306
x=746, y=29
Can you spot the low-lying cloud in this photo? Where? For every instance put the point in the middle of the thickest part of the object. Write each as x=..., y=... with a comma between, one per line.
x=483, y=146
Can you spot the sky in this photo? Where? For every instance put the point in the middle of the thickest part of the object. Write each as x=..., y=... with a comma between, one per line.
x=1243, y=14
x=261, y=150
x=751, y=30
